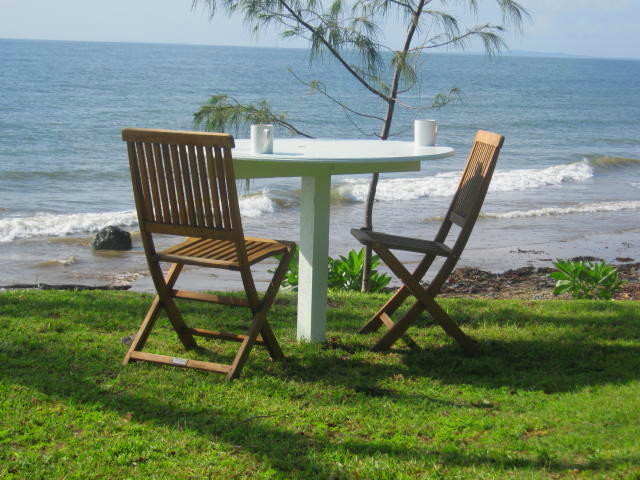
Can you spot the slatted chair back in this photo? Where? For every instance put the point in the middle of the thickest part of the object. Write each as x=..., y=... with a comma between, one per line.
x=184, y=183
x=472, y=189
x=468, y=199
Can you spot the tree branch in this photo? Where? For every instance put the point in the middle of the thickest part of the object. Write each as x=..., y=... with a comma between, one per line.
x=223, y=112
x=319, y=87
x=334, y=52
x=459, y=39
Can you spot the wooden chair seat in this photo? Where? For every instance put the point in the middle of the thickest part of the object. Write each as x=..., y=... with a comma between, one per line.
x=395, y=242
x=207, y=252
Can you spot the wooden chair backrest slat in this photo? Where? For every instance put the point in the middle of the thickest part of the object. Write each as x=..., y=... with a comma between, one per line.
x=222, y=186
x=143, y=176
x=172, y=203
x=180, y=214
x=204, y=187
x=215, y=199
x=184, y=180
x=153, y=181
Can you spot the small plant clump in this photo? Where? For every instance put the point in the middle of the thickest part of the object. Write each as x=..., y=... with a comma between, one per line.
x=345, y=273
x=586, y=280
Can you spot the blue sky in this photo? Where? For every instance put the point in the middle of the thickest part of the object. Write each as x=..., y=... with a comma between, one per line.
x=583, y=27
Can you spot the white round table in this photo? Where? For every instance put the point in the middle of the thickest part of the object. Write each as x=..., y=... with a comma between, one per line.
x=316, y=160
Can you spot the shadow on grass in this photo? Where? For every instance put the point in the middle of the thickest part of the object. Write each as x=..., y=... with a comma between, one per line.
x=295, y=453
x=547, y=366
x=541, y=364
x=571, y=345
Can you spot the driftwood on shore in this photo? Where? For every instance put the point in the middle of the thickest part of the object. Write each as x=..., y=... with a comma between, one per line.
x=68, y=286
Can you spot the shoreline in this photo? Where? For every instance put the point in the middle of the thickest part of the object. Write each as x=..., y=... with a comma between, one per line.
x=522, y=283
x=71, y=261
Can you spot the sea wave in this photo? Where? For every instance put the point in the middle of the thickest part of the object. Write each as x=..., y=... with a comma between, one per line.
x=66, y=175
x=445, y=184
x=605, y=161
x=52, y=225
x=573, y=209
x=58, y=262
x=257, y=204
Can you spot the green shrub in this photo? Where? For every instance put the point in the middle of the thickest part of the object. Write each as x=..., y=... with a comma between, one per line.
x=345, y=273
x=586, y=280
x=291, y=277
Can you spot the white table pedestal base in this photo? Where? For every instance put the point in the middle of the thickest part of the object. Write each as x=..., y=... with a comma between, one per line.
x=314, y=252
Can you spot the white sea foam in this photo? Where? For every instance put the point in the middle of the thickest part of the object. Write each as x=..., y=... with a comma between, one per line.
x=257, y=205
x=583, y=208
x=445, y=184
x=49, y=225
x=58, y=262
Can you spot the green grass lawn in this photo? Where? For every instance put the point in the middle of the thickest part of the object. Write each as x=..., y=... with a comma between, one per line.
x=555, y=394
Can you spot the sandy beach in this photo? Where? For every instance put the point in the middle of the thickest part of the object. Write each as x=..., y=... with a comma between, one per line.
x=481, y=270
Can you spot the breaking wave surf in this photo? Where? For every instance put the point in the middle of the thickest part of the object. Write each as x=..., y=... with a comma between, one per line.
x=605, y=161
x=445, y=184
x=573, y=209
x=56, y=225
x=50, y=225
x=351, y=190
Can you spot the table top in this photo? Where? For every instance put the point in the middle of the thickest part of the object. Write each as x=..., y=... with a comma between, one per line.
x=295, y=157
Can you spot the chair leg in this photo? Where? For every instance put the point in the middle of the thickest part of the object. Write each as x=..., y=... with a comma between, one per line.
x=271, y=342
x=398, y=330
x=269, y=297
x=166, y=300
x=260, y=324
x=427, y=301
x=149, y=321
x=398, y=298
x=388, y=308
x=246, y=346
x=469, y=345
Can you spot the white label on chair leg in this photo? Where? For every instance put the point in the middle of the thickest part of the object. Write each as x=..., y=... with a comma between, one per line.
x=181, y=362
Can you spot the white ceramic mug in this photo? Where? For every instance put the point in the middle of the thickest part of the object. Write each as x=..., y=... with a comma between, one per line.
x=261, y=138
x=425, y=133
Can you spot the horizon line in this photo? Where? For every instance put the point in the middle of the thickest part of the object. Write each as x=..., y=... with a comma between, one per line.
x=508, y=52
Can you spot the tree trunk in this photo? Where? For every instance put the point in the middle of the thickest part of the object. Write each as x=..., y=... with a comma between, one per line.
x=386, y=128
x=371, y=197
x=368, y=225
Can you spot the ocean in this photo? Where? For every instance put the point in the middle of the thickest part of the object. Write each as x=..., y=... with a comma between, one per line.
x=567, y=184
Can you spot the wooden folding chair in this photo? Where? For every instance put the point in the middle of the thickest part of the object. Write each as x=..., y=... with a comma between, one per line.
x=464, y=211
x=184, y=184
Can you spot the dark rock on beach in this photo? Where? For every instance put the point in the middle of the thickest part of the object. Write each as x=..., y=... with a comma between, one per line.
x=112, y=238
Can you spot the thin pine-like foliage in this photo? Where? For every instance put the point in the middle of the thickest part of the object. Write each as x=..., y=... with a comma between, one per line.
x=350, y=33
